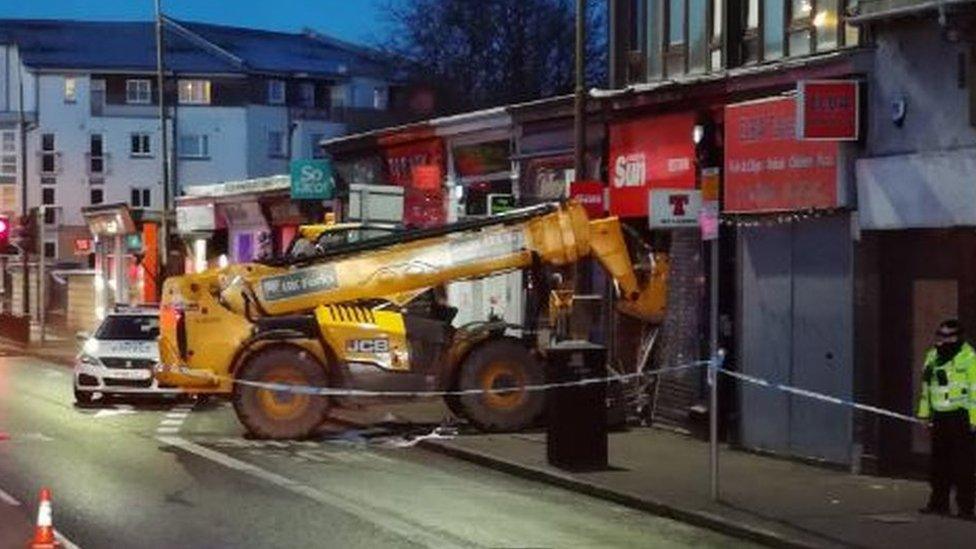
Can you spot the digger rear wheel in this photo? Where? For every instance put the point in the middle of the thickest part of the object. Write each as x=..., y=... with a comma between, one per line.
x=267, y=413
x=501, y=364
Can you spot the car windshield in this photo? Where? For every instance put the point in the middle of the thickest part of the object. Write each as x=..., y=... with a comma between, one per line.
x=119, y=327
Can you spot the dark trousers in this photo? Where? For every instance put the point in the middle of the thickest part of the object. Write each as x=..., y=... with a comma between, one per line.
x=953, y=462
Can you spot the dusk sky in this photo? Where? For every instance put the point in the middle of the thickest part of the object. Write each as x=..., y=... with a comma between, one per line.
x=353, y=20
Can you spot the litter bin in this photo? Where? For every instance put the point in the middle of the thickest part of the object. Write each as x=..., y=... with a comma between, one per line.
x=576, y=416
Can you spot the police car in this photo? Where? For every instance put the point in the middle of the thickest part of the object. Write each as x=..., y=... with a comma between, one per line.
x=119, y=358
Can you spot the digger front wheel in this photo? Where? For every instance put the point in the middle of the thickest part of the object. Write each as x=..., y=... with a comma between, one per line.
x=505, y=366
x=277, y=414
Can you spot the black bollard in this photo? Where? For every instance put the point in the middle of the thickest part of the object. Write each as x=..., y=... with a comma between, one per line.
x=577, y=415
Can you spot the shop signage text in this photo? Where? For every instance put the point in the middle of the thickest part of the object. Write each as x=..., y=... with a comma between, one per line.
x=768, y=169
x=312, y=180
x=674, y=208
x=195, y=217
x=649, y=153
x=827, y=109
x=401, y=159
x=590, y=195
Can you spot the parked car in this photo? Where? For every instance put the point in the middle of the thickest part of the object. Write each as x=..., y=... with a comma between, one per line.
x=119, y=358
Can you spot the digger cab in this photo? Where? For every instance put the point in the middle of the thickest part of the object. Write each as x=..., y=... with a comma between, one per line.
x=312, y=240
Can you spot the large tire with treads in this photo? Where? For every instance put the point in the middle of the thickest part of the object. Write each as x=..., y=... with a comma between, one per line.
x=281, y=415
x=496, y=364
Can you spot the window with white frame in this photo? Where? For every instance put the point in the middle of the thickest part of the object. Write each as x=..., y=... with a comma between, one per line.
x=96, y=154
x=140, y=198
x=277, y=144
x=8, y=198
x=138, y=92
x=276, y=92
x=8, y=153
x=307, y=94
x=47, y=196
x=194, y=146
x=70, y=89
x=96, y=196
x=50, y=249
x=49, y=155
x=139, y=144
x=194, y=92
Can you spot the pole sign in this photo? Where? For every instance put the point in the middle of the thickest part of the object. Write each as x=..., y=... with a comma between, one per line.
x=827, y=110
x=708, y=218
x=312, y=180
x=674, y=208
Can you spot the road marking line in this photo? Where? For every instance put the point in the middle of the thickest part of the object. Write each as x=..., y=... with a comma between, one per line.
x=400, y=527
x=8, y=499
x=12, y=501
x=171, y=422
x=65, y=542
x=168, y=430
x=181, y=415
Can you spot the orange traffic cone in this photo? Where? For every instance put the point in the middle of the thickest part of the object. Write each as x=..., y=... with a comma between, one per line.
x=44, y=531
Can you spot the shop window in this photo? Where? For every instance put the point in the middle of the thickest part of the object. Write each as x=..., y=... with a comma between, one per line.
x=138, y=92
x=482, y=159
x=476, y=195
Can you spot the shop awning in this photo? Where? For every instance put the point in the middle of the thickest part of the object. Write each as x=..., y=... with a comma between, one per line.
x=925, y=190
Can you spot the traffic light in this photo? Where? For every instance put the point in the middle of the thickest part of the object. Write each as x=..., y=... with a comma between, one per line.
x=5, y=235
x=25, y=235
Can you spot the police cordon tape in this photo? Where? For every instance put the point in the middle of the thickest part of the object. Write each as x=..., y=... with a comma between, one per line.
x=821, y=397
x=332, y=391
x=713, y=364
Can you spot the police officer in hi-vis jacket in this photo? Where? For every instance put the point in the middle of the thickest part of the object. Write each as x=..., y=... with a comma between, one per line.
x=948, y=401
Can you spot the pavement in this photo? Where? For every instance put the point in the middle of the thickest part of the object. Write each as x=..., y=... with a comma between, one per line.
x=763, y=499
x=175, y=473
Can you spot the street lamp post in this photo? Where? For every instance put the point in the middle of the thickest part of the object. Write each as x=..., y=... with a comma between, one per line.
x=164, y=152
x=580, y=107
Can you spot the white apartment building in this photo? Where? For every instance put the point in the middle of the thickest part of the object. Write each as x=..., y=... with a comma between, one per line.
x=241, y=103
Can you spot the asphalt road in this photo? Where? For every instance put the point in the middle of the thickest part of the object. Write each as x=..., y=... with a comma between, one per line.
x=176, y=475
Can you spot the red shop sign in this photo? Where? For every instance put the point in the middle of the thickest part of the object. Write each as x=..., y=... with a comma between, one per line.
x=827, y=109
x=767, y=168
x=648, y=153
x=401, y=159
x=590, y=195
x=426, y=177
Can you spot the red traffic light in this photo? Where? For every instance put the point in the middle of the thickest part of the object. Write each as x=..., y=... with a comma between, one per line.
x=4, y=227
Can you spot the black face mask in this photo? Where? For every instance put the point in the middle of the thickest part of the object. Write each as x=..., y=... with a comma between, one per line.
x=947, y=351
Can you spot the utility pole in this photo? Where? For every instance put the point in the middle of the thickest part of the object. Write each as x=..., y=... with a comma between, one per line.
x=24, y=252
x=162, y=267
x=580, y=133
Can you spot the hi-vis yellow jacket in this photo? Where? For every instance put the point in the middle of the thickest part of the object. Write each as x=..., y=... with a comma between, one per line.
x=950, y=386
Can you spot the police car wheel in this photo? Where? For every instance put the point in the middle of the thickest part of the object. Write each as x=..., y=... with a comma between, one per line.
x=271, y=414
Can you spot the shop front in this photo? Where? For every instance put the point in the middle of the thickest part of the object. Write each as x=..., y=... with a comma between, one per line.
x=126, y=255
x=789, y=203
x=415, y=162
x=918, y=267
